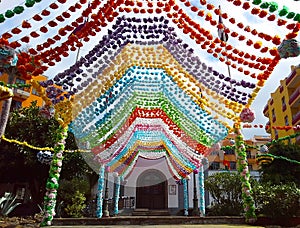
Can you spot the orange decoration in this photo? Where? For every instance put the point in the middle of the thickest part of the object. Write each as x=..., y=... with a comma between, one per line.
x=45, y=12
x=247, y=29
x=25, y=39
x=43, y=29
x=276, y=40
x=240, y=25
x=291, y=36
x=210, y=6
x=241, y=37
x=255, y=11
x=16, y=30
x=232, y=20
x=194, y=8
x=6, y=36
x=237, y=2
x=246, y=5
x=57, y=37
x=249, y=42
x=37, y=17
x=264, y=50
x=60, y=18
x=52, y=23
x=201, y=13
x=53, y=6
x=234, y=34
x=272, y=17
x=254, y=32
x=26, y=24
x=66, y=15
x=281, y=22
x=263, y=13
x=187, y=4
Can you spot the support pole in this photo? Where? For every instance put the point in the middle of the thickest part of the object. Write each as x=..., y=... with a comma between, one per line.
x=116, y=195
x=242, y=167
x=105, y=202
x=201, y=190
x=195, y=199
x=54, y=172
x=100, y=193
x=185, y=198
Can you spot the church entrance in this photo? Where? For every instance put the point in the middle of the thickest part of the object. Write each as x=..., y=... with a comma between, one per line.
x=151, y=191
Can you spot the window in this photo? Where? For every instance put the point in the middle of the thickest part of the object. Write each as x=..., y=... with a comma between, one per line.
x=276, y=133
x=15, y=105
x=232, y=165
x=229, y=151
x=283, y=103
x=20, y=81
x=250, y=167
x=273, y=115
x=286, y=121
x=34, y=92
x=248, y=154
x=214, y=166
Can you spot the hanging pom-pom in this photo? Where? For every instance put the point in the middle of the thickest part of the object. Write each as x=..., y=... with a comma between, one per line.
x=44, y=157
x=289, y=48
x=247, y=115
x=263, y=149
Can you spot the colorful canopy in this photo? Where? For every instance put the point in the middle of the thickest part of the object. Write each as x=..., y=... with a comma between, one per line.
x=143, y=89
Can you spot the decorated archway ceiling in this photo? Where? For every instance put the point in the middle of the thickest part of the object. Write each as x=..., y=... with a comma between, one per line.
x=145, y=89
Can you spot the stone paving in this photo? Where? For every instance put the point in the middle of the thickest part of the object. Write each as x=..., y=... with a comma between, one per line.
x=163, y=226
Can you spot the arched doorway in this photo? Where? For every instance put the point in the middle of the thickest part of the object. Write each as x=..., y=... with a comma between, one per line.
x=151, y=190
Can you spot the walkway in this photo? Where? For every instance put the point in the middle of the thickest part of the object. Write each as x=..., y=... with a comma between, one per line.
x=162, y=226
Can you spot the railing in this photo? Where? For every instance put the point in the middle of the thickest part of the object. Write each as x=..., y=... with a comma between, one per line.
x=294, y=96
x=296, y=118
x=21, y=93
x=266, y=108
x=290, y=77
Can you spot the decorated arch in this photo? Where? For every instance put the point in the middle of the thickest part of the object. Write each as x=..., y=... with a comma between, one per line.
x=144, y=89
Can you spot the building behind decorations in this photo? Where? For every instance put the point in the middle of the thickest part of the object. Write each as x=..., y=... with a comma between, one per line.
x=283, y=108
x=150, y=186
x=23, y=96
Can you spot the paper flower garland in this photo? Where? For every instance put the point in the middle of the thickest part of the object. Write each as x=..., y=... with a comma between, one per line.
x=44, y=157
x=289, y=48
x=247, y=115
x=54, y=173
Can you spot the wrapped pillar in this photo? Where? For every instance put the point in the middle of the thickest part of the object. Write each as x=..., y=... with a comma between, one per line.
x=201, y=190
x=116, y=195
x=99, y=212
x=185, y=198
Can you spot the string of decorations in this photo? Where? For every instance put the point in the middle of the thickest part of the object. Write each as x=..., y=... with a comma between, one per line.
x=5, y=92
x=41, y=148
x=17, y=10
x=242, y=167
x=273, y=7
x=278, y=157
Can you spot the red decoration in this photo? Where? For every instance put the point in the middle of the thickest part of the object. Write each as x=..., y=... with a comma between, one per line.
x=26, y=24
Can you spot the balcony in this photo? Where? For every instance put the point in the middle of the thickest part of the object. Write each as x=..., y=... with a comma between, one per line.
x=21, y=93
x=296, y=119
x=266, y=111
x=295, y=98
x=292, y=80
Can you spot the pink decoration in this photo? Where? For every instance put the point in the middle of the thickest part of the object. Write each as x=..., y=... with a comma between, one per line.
x=247, y=115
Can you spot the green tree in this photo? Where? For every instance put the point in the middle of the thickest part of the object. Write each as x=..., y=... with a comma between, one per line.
x=20, y=164
x=281, y=171
x=225, y=189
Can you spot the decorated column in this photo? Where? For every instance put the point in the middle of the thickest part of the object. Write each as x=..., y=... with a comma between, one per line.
x=54, y=173
x=99, y=212
x=201, y=190
x=185, y=198
x=116, y=194
x=242, y=166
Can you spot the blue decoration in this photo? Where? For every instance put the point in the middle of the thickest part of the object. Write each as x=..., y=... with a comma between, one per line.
x=201, y=190
x=99, y=212
x=185, y=198
x=116, y=195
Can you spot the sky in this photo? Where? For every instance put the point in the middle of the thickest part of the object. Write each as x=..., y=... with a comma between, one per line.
x=281, y=71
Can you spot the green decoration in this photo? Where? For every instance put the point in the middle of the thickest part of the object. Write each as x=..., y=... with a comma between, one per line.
x=265, y=5
x=272, y=157
x=18, y=9
x=297, y=17
x=256, y=2
x=290, y=15
x=273, y=7
x=38, y=0
x=29, y=3
x=9, y=14
x=2, y=18
x=284, y=11
x=242, y=167
x=53, y=179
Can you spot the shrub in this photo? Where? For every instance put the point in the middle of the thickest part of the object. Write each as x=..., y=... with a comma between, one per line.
x=75, y=209
x=277, y=201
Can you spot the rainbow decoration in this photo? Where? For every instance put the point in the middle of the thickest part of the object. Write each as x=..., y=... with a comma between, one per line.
x=144, y=89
